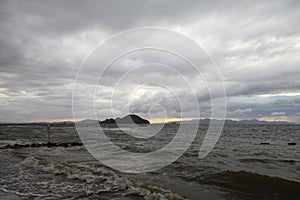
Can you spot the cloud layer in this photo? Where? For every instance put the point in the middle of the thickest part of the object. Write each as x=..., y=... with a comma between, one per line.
x=255, y=44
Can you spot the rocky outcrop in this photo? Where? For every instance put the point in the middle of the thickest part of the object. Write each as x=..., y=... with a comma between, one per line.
x=128, y=119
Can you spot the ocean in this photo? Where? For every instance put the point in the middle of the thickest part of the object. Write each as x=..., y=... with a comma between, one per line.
x=239, y=166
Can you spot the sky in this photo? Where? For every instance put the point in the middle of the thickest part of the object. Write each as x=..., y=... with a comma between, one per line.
x=254, y=44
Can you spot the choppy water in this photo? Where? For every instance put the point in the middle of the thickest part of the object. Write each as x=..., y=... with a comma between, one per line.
x=237, y=168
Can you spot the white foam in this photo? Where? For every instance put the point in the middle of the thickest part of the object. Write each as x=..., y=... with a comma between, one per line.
x=112, y=181
x=27, y=193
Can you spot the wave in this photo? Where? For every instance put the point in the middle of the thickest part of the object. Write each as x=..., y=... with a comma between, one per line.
x=48, y=144
x=265, y=160
x=29, y=194
x=113, y=181
x=256, y=184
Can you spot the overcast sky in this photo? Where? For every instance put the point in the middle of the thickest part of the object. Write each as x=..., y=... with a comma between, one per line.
x=255, y=44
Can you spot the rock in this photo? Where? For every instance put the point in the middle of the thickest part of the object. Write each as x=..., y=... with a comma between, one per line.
x=108, y=121
x=128, y=119
x=264, y=143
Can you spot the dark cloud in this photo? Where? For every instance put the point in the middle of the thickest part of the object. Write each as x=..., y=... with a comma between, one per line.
x=254, y=43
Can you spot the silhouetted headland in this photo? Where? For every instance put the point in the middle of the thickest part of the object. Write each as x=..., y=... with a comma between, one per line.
x=128, y=119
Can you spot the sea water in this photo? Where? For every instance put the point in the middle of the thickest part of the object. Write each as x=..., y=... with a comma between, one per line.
x=238, y=167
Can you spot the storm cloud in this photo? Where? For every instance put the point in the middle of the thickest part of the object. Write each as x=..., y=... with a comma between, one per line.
x=255, y=44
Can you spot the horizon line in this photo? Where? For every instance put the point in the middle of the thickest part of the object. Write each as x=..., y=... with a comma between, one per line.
x=155, y=120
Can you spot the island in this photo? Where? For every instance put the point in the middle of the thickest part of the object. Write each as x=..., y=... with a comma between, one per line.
x=128, y=119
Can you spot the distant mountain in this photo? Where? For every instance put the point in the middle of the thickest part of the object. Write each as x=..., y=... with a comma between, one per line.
x=128, y=119
x=56, y=124
x=88, y=121
x=229, y=121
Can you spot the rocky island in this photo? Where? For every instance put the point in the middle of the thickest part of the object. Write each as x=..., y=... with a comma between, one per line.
x=128, y=119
